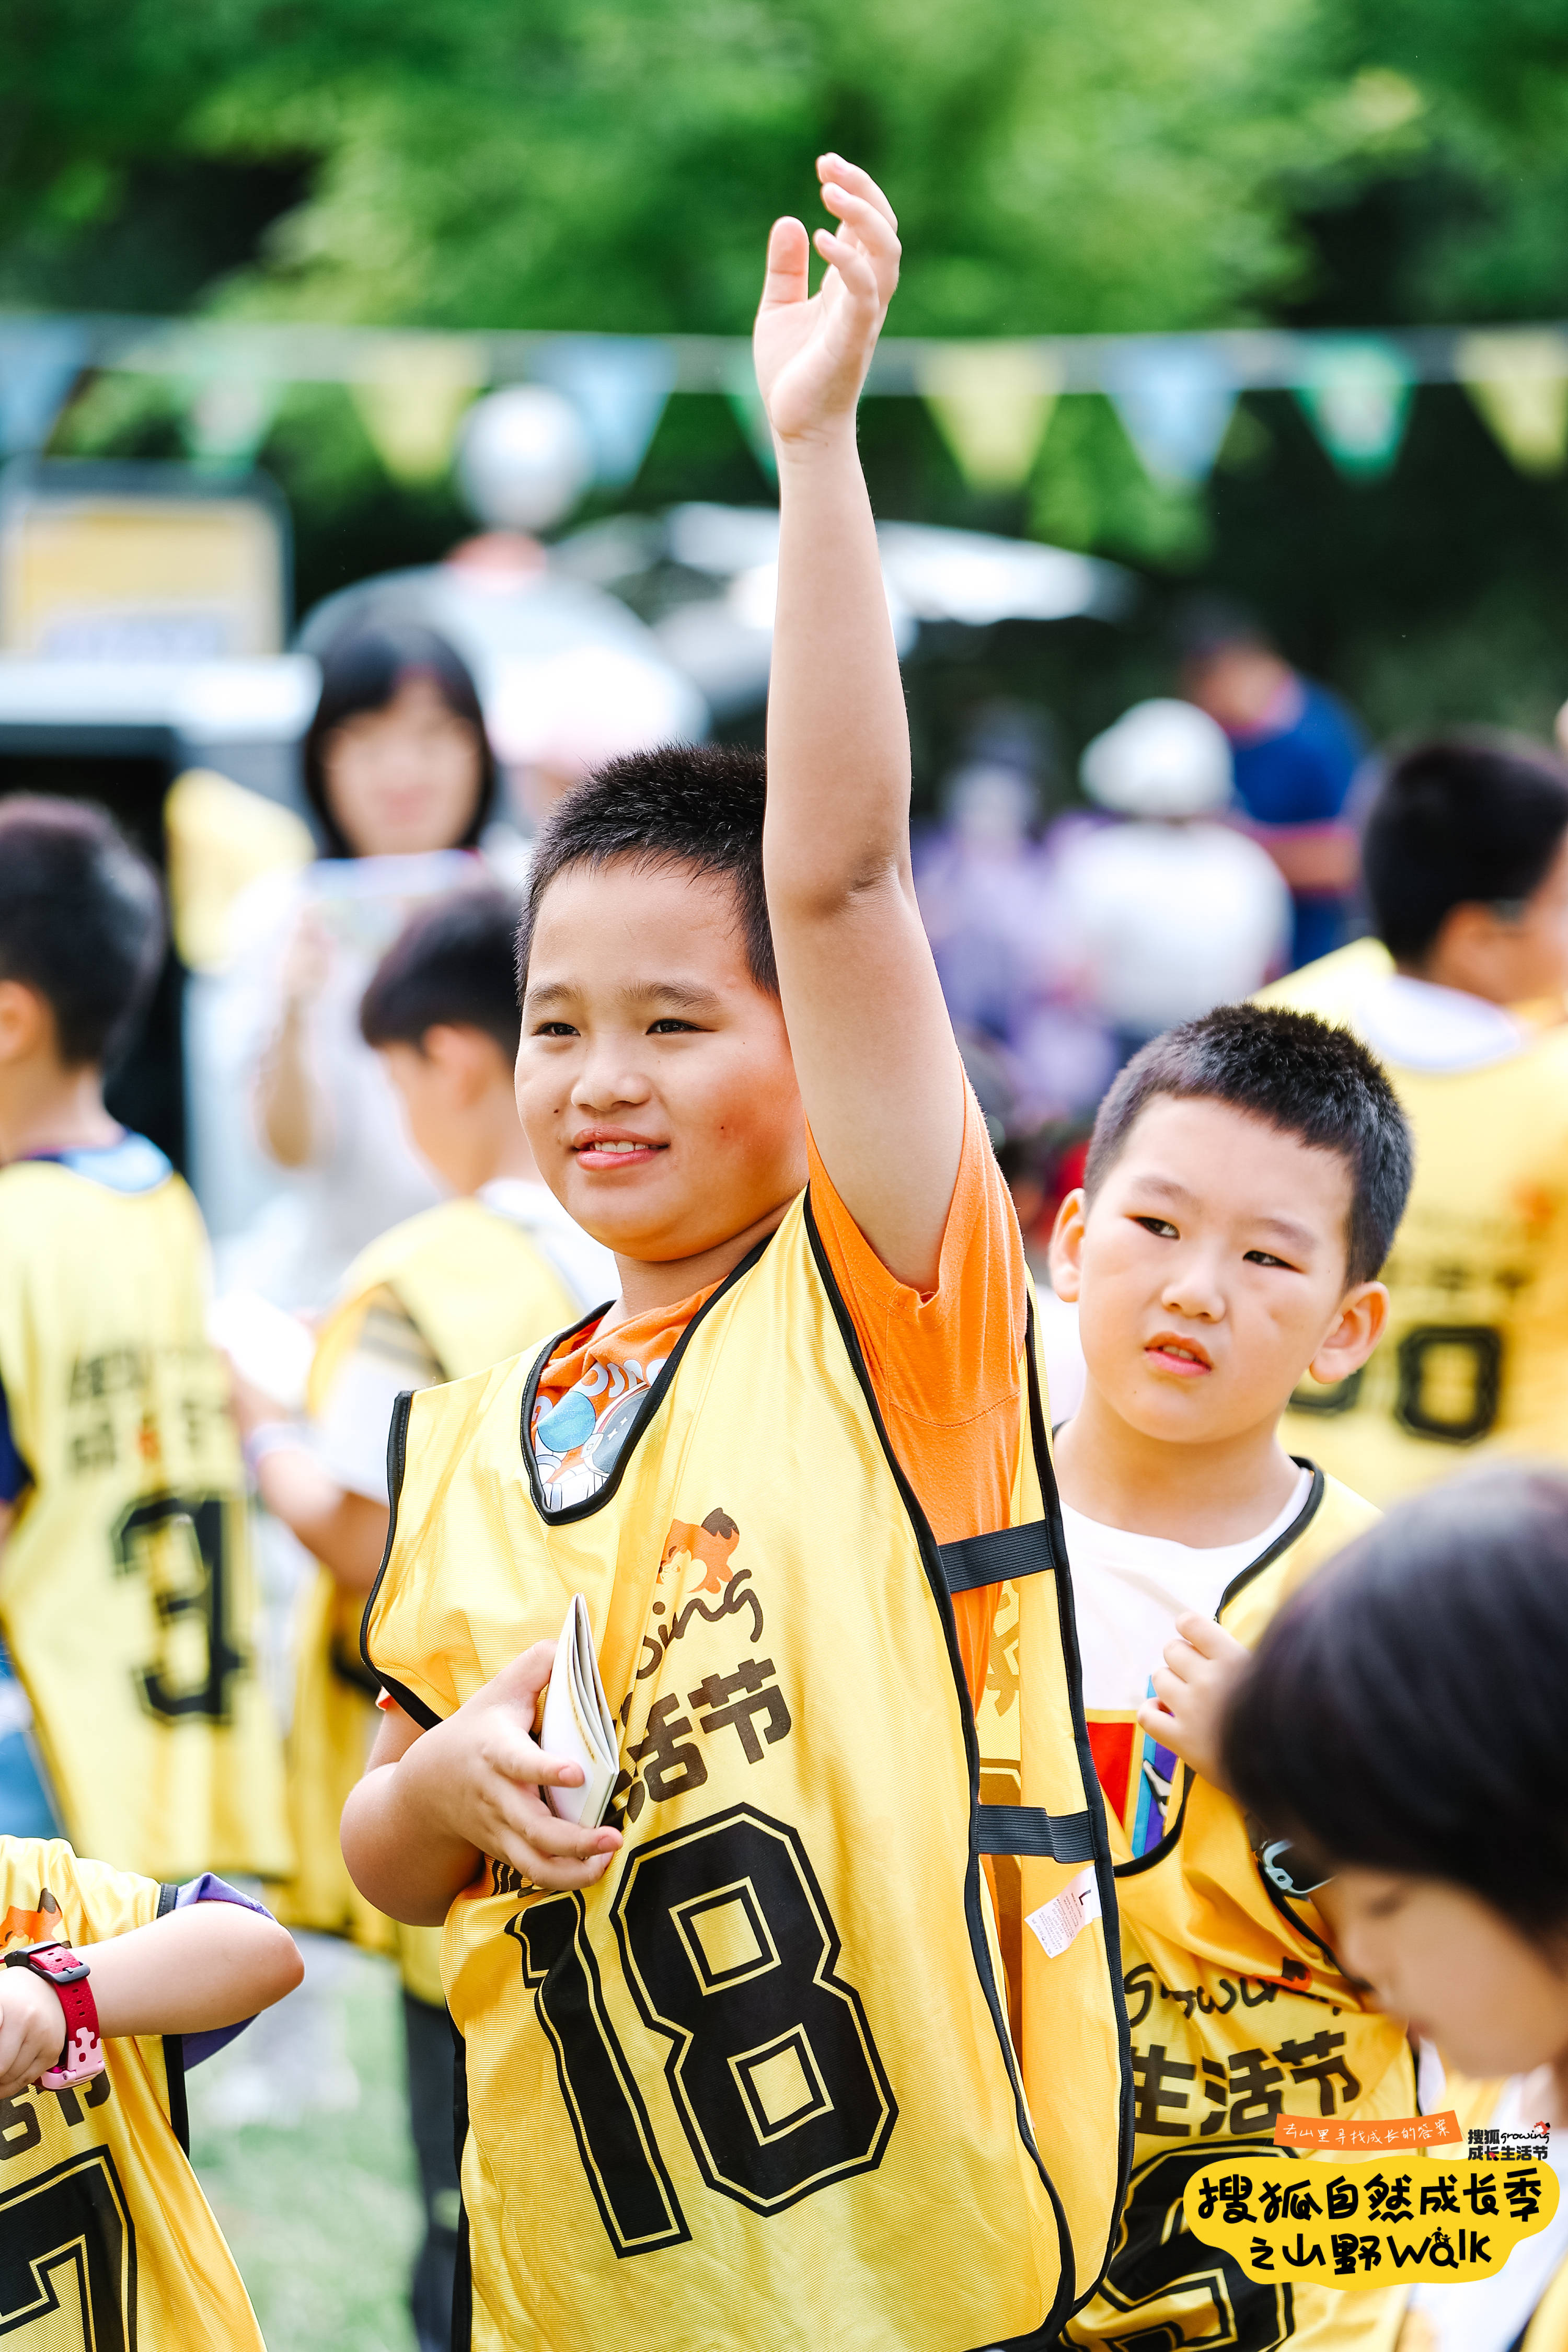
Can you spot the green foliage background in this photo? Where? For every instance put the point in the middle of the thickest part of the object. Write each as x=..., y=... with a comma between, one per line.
x=614, y=164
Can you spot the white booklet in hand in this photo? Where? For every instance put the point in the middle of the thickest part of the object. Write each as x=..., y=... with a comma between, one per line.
x=578, y=1724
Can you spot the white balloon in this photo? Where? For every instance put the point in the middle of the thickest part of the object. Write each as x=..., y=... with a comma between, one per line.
x=523, y=458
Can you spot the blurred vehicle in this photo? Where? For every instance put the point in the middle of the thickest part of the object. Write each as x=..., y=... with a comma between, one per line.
x=705, y=577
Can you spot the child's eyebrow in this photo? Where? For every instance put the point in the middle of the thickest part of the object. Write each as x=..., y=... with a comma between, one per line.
x=1295, y=1236
x=679, y=996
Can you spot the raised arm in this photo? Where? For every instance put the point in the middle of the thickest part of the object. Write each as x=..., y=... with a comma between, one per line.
x=874, y=1050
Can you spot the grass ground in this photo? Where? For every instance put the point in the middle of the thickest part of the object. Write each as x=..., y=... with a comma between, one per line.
x=299, y=2134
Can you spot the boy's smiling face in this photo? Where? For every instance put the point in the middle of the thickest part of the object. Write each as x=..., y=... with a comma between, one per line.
x=1210, y=1272
x=654, y=1078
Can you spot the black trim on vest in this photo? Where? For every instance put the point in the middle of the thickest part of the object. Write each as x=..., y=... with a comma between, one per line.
x=1088, y=1772
x=174, y=2050
x=1002, y=1556
x=463, y=2275
x=1043, y=2337
x=1030, y=1830
x=1238, y=1583
x=424, y=1715
x=646, y=1412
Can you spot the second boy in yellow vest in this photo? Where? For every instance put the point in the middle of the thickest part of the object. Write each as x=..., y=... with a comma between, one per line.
x=739, y=2070
x=438, y=1298
x=1244, y=1181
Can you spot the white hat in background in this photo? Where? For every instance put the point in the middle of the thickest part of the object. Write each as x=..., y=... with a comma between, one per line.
x=1161, y=759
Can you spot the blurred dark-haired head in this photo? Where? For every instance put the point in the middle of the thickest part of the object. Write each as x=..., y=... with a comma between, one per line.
x=1403, y=1712
x=1476, y=819
x=81, y=923
x=451, y=966
x=396, y=758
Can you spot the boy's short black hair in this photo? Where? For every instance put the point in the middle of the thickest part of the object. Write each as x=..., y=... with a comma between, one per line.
x=1302, y=1076
x=1462, y=820
x=451, y=964
x=694, y=804
x=361, y=669
x=81, y=922
x=1403, y=1712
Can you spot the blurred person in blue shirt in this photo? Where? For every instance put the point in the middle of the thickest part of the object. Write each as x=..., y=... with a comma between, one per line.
x=1295, y=750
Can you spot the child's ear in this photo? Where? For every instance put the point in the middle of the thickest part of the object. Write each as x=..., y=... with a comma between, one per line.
x=1363, y=1317
x=1066, y=1253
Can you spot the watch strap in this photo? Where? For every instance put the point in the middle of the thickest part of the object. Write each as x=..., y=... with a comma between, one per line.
x=82, y=2054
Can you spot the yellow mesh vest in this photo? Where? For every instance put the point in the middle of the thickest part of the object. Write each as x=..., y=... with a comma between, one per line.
x=478, y=1287
x=1475, y=1357
x=106, y=2239
x=1238, y=2013
x=756, y=2086
x=1548, y=2328
x=126, y=1594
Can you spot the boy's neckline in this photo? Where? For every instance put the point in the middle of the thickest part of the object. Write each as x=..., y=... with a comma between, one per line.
x=1210, y=1504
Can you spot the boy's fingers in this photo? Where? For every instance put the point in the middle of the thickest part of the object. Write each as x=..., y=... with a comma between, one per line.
x=521, y=1683
x=872, y=227
x=854, y=267
x=1209, y=1640
x=860, y=184
x=789, y=254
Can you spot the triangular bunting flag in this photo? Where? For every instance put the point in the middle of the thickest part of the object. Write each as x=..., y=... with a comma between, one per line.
x=1175, y=396
x=413, y=397
x=1520, y=384
x=39, y=362
x=746, y=401
x=226, y=419
x=991, y=403
x=1356, y=394
x=618, y=385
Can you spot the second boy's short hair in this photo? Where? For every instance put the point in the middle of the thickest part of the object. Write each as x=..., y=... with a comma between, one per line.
x=699, y=805
x=1462, y=820
x=449, y=966
x=1296, y=1074
x=81, y=922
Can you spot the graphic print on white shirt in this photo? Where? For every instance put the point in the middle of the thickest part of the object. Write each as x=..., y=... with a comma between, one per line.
x=1127, y=1592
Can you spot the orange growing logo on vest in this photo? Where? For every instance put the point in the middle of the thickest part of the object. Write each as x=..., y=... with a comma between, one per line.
x=39, y=1927
x=709, y=1547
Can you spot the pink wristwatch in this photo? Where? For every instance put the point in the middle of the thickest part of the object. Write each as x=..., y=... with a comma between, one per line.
x=83, y=2052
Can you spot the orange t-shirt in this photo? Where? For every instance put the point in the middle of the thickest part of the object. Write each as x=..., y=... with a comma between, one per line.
x=946, y=1370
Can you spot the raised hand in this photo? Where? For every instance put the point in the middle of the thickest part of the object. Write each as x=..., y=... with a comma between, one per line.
x=812, y=351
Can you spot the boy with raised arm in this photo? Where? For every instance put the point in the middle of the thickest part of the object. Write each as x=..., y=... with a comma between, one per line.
x=738, y=2064
x=1244, y=1181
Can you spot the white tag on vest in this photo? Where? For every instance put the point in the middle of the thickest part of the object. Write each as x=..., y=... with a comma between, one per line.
x=1056, y=1922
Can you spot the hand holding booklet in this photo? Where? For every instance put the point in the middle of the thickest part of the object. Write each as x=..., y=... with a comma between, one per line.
x=578, y=1724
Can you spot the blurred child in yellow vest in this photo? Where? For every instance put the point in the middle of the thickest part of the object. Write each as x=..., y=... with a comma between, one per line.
x=442, y=1295
x=1465, y=859
x=139, y=1726
x=113, y=1987
x=1244, y=1183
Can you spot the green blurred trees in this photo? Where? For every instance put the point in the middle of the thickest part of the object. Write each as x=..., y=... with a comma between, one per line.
x=613, y=163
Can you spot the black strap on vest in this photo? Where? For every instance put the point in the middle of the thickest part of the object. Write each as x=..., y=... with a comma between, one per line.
x=1000, y=1557
x=1030, y=1830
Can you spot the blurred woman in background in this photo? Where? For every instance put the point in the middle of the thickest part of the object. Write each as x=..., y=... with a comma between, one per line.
x=402, y=781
